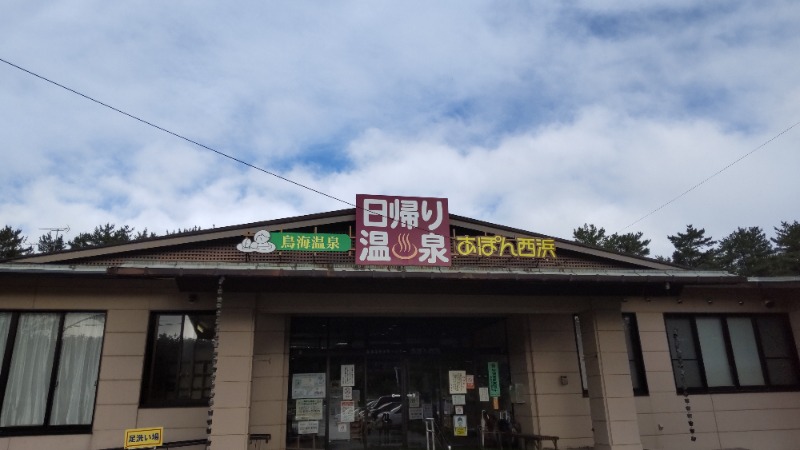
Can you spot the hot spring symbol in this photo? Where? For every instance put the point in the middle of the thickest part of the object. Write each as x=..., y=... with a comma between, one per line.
x=406, y=250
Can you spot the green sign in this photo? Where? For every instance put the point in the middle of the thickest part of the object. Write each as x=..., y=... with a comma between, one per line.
x=494, y=380
x=310, y=242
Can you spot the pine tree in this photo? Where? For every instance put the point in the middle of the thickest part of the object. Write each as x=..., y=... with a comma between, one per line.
x=184, y=230
x=747, y=252
x=144, y=234
x=590, y=235
x=12, y=243
x=693, y=249
x=107, y=234
x=787, y=248
x=630, y=243
x=49, y=244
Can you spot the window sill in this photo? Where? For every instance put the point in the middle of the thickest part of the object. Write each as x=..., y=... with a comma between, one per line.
x=735, y=390
x=45, y=431
x=173, y=405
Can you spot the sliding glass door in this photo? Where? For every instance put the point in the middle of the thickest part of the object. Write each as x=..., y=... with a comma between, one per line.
x=369, y=383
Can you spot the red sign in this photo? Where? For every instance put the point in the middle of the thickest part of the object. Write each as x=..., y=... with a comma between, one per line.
x=402, y=231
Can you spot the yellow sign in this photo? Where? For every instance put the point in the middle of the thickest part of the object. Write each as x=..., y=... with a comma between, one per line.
x=144, y=437
x=503, y=246
x=459, y=425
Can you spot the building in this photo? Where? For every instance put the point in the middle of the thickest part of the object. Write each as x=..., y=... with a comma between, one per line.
x=325, y=339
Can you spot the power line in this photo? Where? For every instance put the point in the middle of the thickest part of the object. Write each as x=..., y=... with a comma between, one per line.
x=218, y=152
x=709, y=178
x=179, y=136
x=316, y=191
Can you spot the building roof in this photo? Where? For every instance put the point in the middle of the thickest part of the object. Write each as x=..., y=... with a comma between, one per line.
x=197, y=259
x=204, y=245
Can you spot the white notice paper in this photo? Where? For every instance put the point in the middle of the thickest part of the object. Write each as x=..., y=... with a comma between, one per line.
x=458, y=381
x=413, y=400
x=308, y=427
x=347, y=393
x=483, y=393
x=348, y=375
x=308, y=409
x=348, y=411
x=308, y=385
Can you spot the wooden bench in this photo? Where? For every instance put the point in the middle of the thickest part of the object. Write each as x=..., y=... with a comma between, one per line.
x=536, y=439
x=513, y=437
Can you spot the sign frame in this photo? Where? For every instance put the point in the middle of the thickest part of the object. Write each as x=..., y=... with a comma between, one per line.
x=148, y=433
x=494, y=379
x=393, y=230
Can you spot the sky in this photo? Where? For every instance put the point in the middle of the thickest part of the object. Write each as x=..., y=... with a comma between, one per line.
x=540, y=115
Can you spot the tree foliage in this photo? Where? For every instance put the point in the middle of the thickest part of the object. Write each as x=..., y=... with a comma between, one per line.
x=631, y=243
x=12, y=243
x=590, y=235
x=50, y=244
x=108, y=234
x=184, y=230
x=693, y=249
x=144, y=234
x=746, y=252
x=787, y=248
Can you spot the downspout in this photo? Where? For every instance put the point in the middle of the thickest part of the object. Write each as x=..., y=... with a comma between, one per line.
x=214, y=358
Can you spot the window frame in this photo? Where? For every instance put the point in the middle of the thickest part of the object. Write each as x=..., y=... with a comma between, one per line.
x=5, y=365
x=635, y=352
x=736, y=386
x=578, y=335
x=149, y=362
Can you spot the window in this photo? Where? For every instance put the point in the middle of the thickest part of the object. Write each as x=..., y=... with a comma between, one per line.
x=581, y=358
x=724, y=353
x=50, y=366
x=635, y=359
x=178, y=364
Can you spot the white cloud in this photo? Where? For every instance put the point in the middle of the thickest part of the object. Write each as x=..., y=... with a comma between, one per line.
x=541, y=116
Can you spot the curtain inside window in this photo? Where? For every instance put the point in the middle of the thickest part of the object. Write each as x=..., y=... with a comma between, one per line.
x=78, y=369
x=745, y=351
x=715, y=356
x=31, y=369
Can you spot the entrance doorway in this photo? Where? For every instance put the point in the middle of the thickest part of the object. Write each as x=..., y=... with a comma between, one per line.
x=369, y=383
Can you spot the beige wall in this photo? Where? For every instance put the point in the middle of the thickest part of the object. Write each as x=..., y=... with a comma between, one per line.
x=752, y=421
x=270, y=379
x=128, y=305
x=560, y=410
x=253, y=376
x=233, y=382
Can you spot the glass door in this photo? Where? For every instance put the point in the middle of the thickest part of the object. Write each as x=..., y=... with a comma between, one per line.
x=424, y=399
x=346, y=422
x=366, y=383
x=385, y=405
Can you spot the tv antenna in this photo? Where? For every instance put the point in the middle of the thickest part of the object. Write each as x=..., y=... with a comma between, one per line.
x=57, y=230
